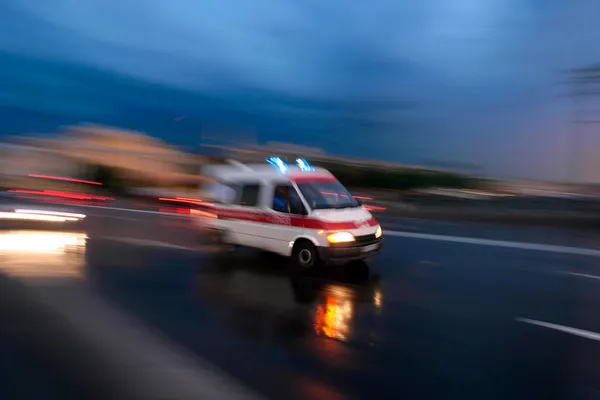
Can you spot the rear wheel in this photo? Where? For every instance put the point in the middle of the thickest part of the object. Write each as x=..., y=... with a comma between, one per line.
x=224, y=244
x=305, y=255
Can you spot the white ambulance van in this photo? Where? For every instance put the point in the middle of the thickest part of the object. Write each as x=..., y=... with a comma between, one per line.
x=293, y=210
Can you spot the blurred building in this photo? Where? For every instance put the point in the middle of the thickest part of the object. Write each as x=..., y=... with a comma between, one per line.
x=18, y=161
x=21, y=159
x=137, y=157
x=257, y=153
x=541, y=188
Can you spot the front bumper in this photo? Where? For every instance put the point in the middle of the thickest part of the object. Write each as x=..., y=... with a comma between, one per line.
x=355, y=251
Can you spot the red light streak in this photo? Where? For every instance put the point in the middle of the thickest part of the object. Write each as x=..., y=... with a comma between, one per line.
x=187, y=198
x=56, y=193
x=180, y=200
x=374, y=208
x=59, y=178
x=200, y=213
x=363, y=197
x=174, y=210
x=59, y=200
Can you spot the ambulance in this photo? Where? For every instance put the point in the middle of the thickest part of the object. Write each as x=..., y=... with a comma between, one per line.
x=295, y=210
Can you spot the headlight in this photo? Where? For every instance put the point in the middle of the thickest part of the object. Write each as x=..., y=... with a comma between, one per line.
x=340, y=237
x=378, y=232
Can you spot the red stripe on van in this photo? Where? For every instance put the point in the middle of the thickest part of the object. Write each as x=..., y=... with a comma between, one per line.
x=288, y=220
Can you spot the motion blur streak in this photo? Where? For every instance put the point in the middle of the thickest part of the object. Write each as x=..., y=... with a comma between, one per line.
x=42, y=254
x=40, y=242
x=59, y=178
x=34, y=217
x=199, y=213
x=174, y=210
x=180, y=200
x=57, y=200
x=58, y=213
x=374, y=208
x=56, y=193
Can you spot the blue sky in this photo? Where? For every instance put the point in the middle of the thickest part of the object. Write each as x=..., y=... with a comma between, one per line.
x=434, y=81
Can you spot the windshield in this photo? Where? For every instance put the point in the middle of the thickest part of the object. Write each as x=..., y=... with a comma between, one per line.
x=327, y=195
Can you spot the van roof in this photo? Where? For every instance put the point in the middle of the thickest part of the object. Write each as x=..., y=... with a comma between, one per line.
x=262, y=171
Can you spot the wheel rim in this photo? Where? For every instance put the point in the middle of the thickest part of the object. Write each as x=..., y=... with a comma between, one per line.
x=305, y=256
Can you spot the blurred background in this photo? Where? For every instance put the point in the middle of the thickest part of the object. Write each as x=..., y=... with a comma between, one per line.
x=467, y=128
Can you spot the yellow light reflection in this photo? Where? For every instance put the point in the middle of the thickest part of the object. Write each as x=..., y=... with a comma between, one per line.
x=40, y=242
x=42, y=254
x=199, y=213
x=333, y=318
x=377, y=298
x=53, y=213
x=35, y=217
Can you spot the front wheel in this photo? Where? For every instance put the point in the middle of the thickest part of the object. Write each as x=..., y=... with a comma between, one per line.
x=305, y=255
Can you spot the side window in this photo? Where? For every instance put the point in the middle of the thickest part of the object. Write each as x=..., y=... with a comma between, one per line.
x=249, y=195
x=221, y=192
x=287, y=200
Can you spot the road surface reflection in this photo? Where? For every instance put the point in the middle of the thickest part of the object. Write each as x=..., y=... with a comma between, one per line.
x=322, y=303
x=42, y=254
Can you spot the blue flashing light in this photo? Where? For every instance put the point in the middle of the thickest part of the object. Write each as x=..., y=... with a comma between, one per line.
x=304, y=165
x=278, y=163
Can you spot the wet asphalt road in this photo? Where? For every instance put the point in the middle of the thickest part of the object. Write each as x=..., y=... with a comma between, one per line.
x=433, y=319
x=24, y=375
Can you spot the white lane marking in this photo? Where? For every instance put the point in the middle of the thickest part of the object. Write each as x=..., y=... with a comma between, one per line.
x=114, y=217
x=562, y=328
x=144, y=242
x=133, y=210
x=206, y=248
x=119, y=217
x=456, y=239
x=498, y=243
x=579, y=275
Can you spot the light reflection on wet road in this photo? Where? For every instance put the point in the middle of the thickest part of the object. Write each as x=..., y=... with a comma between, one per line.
x=430, y=319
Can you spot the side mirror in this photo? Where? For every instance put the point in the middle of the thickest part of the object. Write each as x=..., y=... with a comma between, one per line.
x=359, y=201
x=299, y=209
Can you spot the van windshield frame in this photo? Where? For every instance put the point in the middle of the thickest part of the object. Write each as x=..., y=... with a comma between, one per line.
x=326, y=195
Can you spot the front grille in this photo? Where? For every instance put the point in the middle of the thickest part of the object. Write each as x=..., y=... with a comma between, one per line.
x=364, y=240
x=359, y=241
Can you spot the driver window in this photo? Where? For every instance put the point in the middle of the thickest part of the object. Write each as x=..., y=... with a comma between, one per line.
x=286, y=200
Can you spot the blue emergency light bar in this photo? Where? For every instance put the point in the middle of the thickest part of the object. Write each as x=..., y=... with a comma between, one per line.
x=304, y=165
x=278, y=163
x=282, y=166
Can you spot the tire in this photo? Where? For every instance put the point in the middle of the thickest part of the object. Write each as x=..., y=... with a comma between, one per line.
x=305, y=256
